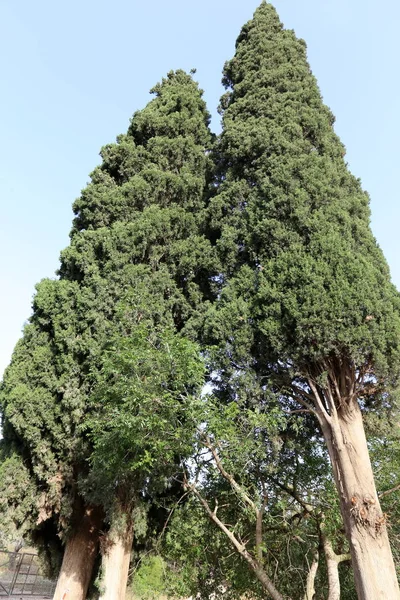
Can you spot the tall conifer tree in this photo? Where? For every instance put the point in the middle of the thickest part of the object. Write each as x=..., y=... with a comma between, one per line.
x=137, y=228
x=306, y=298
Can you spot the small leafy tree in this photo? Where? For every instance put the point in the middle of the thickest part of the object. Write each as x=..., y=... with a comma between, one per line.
x=142, y=425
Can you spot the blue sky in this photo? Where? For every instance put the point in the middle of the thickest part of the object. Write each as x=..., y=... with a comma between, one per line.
x=72, y=74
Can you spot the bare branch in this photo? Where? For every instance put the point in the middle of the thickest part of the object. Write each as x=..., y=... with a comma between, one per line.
x=300, y=394
x=396, y=488
x=331, y=401
x=228, y=477
x=300, y=410
x=307, y=507
x=215, y=507
x=171, y=512
x=259, y=529
x=255, y=566
x=335, y=383
x=321, y=410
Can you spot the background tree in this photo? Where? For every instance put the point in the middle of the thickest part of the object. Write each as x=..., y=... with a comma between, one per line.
x=306, y=299
x=138, y=220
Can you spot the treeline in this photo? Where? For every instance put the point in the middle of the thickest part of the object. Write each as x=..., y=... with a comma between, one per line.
x=205, y=393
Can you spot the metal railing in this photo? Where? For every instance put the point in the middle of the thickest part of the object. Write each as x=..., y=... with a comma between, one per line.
x=20, y=575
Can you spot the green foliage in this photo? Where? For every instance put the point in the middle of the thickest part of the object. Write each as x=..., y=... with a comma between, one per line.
x=203, y=558
x=137, y=238
x=18, y=499
x=304, y=277
x=279, y=270
x=303, y=289
x=282, y=466
x=149, y=579
x=143, y=409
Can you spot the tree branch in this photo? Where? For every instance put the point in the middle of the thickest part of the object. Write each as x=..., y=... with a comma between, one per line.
x=228, y=477
x=331, y=401
x=396, y=488
x=255, y=566
x=171, y=512
x=310, y=585
x=259, y=529
x=307, y=507
x=321, y=410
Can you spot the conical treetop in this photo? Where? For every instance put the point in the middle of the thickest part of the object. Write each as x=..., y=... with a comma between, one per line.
x=292, y=221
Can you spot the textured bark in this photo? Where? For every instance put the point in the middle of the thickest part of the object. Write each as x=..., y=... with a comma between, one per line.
x=79, y=556
x=116, y=556
x=312, y=573
x=365, y=524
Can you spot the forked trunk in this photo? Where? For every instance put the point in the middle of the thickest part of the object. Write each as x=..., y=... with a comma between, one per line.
x=374, y=571
x=116, y=556
x=332, y=568
x=333, y=561
x=79, y=556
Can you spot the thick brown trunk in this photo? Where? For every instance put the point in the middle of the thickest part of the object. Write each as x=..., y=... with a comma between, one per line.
x=116, y=556
x=79, y=556
x=374, y=571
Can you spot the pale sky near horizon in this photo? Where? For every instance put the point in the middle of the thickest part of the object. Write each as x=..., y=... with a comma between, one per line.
x=72, y=74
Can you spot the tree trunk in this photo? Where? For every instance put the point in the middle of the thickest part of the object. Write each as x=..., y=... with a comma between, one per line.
x=79, y=555
x=312, y=573
x=374, y=571
x=116, y=556
x=333, y=561
x=332, y=566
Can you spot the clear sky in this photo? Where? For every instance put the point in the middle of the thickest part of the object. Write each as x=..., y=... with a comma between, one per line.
x=73, y=72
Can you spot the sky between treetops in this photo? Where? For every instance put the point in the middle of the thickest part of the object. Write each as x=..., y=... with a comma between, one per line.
x=73, y=72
